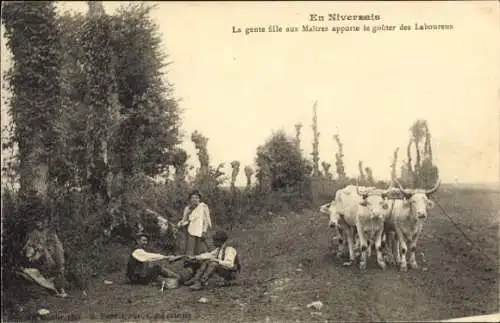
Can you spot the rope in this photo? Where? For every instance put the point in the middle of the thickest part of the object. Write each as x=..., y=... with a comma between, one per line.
x=462, y=232
x=473, y=244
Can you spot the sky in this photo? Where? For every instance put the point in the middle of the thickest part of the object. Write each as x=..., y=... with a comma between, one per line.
x=237, y=89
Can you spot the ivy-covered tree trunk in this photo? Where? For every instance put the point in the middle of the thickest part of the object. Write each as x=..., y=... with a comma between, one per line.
x=298, y=128
x=235, y=165
x=263, y=174
x=409, y=167
x=179, y=162
x=72, y=166
x=315, y=152
x=339, y=159
x=369, y=176
x=424, y=173
x=200, y=143
x=203, y=177
x=33, y=38
x=418, y=130
x=248, y=173
x=100, y=98
x=428, y=171
x=428, y=146
x=393, y=165
x=406, y=177
x=361, y=173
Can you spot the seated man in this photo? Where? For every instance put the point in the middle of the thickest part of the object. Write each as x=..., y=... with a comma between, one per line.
x=223, y=261
x=141, y=268
x=44, y=251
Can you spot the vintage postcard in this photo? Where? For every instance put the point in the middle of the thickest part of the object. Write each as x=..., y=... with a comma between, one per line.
x=250, y=161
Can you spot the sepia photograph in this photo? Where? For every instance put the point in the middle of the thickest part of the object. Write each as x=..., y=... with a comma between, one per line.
x=250, y=161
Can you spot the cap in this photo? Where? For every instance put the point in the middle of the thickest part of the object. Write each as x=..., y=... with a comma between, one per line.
x=220, y=236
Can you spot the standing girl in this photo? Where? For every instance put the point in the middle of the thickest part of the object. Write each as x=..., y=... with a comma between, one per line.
x=196, y=220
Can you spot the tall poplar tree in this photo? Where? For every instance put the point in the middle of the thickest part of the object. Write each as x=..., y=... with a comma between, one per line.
x=33, y=80
x=149, y=133
x=100, y=97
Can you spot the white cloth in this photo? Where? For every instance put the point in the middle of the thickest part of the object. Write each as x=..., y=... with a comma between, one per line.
x=199, y=219
x=34, y=274
x=144, y=256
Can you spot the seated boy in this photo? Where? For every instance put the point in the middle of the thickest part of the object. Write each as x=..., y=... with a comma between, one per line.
x=141, y=268
x=223, y=261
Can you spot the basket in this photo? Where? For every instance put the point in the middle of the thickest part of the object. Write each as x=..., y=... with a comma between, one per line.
x=171, y=283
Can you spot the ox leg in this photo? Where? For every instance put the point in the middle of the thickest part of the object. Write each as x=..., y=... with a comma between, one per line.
x=378, y=248
x=341, y=242
x=356, y=245
x=389, y=246
x=413, y=247
x=350, y=244
x=403, y=248
x=363, y=246
x=369, y=243
x=396, y=250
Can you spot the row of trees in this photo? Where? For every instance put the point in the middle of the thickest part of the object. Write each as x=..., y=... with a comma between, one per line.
x=281, y=157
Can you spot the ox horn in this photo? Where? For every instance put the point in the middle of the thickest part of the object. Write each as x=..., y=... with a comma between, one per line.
x=405, y=192
x=359, y=193
x=386, y=190
x=435, y=188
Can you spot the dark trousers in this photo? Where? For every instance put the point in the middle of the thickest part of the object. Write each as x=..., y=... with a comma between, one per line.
x=193, y=245
x=151, y=274
x=208, y=268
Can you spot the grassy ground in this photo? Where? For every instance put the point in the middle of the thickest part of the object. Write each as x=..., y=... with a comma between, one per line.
x=288, y=263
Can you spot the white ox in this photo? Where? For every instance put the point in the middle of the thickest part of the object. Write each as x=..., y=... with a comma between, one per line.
x=405, y=222
x=338, y=224
x=360, y=211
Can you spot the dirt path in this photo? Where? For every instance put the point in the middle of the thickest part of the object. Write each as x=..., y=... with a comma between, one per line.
x=288, y=263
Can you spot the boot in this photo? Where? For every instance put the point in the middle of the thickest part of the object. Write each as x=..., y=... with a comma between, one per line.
x=196, y=286
x=199, y=285
x=195, y=278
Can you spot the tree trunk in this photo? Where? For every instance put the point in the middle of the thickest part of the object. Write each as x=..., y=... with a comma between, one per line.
x=34, y=174
x=361, y=172
x=409, y=168
x=393, y=165
x=315, y=152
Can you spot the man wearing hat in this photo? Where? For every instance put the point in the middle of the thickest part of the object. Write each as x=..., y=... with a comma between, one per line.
x=142, y=267
x=223, y=261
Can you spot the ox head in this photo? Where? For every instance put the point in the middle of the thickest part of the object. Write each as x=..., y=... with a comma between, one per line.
x=375, y=201
x=418, y=199
x=329, y=209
